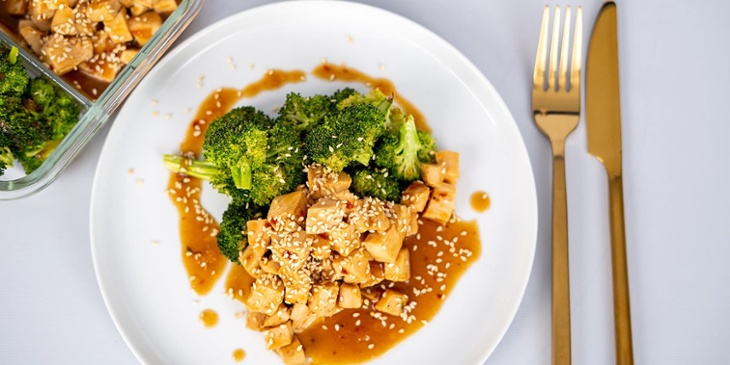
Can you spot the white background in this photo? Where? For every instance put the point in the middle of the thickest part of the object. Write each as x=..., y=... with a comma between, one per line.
x=674, y=83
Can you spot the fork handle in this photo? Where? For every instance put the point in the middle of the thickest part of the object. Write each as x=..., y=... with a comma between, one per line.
x=621, y=304
x=561, y=278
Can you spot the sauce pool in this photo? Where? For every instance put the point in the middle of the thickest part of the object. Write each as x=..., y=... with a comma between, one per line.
x=209, y=318
x=239, y=355
x=480, y=201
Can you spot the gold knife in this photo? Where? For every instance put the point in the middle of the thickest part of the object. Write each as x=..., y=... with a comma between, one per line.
x=603, y=126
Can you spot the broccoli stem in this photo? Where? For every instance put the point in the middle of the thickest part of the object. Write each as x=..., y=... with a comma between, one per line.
x=242, y=176
x=6, y=156
x=13, y=55
x=196, y=168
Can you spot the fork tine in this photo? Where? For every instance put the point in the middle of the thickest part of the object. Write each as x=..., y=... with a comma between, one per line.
x=562, y=74
x=538, y=77
x=554, y=49
x=577, y=51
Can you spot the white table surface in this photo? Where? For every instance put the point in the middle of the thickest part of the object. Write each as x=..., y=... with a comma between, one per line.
x=675, y=84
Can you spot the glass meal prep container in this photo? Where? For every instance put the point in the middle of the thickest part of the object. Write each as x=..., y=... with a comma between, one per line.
x=15, y=183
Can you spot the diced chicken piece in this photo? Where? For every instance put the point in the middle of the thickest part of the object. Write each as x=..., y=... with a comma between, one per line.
x=345, y=239
x=118, y=28
x=369, y=215
x=325, y=215
x=64, y=22
x=103, y=10
x=392, y=302
x=384, y=246
x=64, y=54
x=450, y=160
x=278, y=336
x=349, y=296
x=143, y=26
x=413, y=229
x=32, y=35
x=371, y=294
x=291, y=249
x=442, y=204
x=324, y=182
x=281, y=316
x=400, y=270
x=297, y=284
x=432, y=174
x=127, y=55
x=164, y=7
x=41, y=14
x=416, y=196
x=267, y=292
x=255, y=321
x=57, y=4
x=302, y=317
x=103, y=42
x=401, y=217
x=354, y=268
x=269, y=266
x=137, y=7
x=104, y=67
x=349, y=198
x=250, y=260
x=293, y=353
x=257, y=235
x=321, y=247
x=84, y=25
x=377, y=275
x=323, y=301
x=326, y=270
x=14, y=7
x=288, y=207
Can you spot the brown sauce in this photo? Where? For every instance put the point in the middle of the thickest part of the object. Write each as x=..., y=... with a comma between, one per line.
x=480, y=201
x=362, y=337
x=209, y=318
x=239, y=355
x=238, y=283
x=351, y=336
x=328, y=71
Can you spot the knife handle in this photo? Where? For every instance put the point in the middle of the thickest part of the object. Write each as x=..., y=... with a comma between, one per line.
x=560, y=276
x=621, y=304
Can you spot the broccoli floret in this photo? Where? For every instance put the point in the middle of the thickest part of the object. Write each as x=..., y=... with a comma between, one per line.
x=232, y=235
x=377, y=183
x=303, y=113
x=375, y=97
x=402, y=154
x=58, y=108
x=23, y=129
x=6, y=156
x=342, y=94
x=237, y=142
x=346, y=137
x=282, y=171
x=279, y=173
x=13, y=75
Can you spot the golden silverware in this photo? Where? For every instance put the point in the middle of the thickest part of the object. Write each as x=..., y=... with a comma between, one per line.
x=556, y=109
x=603, y=126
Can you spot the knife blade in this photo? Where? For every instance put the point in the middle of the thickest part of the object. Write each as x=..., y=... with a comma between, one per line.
x=603, y=128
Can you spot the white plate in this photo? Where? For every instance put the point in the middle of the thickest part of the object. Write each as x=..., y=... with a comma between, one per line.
x=144, y=284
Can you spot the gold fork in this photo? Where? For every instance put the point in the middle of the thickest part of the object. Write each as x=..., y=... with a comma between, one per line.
x=556, y=109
